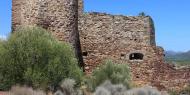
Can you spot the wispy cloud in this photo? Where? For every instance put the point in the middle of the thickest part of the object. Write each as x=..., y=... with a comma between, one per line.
x=3, y=37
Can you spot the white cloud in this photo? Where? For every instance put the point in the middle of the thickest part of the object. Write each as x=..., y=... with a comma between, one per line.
x=3, y=37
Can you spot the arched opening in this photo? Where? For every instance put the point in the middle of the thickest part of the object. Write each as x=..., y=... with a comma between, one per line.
x=136, y=56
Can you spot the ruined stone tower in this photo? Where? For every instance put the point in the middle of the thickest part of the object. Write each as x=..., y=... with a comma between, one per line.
x=123, y=39
x=58, y=16
x=127, y=38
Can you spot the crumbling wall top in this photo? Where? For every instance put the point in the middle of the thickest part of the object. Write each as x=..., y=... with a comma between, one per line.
x=131, y=29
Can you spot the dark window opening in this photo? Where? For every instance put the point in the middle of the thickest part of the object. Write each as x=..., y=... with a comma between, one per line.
x=122, y=55
x=85, y=53
x=136, y=56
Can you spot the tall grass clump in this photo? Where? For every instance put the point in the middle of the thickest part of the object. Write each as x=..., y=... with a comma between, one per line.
x=116, y=73
x=32, y=56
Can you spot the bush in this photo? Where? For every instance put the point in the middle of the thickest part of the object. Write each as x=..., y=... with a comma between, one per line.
x=68, y=88
x=33, y=57
x=173, y=92
x=142, y=14
x=2, y=52
x=107, y=88
x=116, y=73
x=2, y=49
x=147, y=90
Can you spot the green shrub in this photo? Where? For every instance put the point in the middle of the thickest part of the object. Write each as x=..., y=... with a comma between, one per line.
x=2, y=52
x=2, y=49
x=172, y=92
x=33, y=57
x=116, y=73
x=142, y=14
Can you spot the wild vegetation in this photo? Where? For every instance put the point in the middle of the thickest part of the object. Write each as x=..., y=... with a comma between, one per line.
x=178, y=58
x=116, y=73
x=33, y=57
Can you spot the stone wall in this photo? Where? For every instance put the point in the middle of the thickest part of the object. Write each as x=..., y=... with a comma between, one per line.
x=134, y=29
x=114, y=37
x=105, y=36
x=46, y=13
x=57, y=16
x=168, y=77
x=80, y=7
x=16, y=13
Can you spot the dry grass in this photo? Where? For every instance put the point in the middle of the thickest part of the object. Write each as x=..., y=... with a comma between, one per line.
x=108, y=88
x=18, y=90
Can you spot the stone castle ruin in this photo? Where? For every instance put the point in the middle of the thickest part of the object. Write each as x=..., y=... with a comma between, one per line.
x=99, y=36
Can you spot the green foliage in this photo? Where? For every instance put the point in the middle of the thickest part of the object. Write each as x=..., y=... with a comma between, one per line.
x=2, y=49
x=178, y=62
x=172, y=93
x=142, y=14
x=178, y=58
x=33, y=57
x=116, y=73
x=2, y=52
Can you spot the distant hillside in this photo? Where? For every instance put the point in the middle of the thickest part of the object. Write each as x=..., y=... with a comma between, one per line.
x=179, y=58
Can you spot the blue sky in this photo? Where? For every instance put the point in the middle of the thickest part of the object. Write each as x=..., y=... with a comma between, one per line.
x=171, y=18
